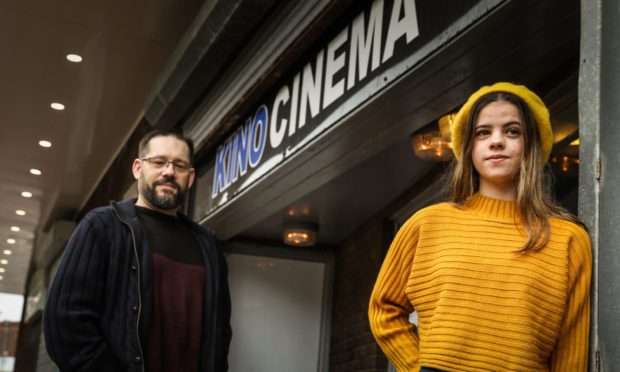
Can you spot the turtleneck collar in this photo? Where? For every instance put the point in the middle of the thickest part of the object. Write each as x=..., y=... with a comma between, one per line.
x=493, y=208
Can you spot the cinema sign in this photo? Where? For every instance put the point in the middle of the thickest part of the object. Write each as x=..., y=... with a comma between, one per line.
x=375, y=38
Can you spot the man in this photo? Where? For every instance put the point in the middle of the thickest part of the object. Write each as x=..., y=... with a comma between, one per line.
x=140, y=286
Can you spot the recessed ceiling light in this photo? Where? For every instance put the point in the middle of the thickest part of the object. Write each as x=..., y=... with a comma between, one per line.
x=15, y=228
x=26, y=194
x=7, y=252
x=2, y=270
x=4, y=261
x=10, y=241
x=45, y=143
x=19, y=212
x=57, y=106
x=74, y=58
x=36, y=172
x=1, y=277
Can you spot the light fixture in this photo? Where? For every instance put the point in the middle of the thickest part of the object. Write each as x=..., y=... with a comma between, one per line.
x=300, y=234
x=75, y=58
x=20, y=212
x=57, y=106
x=7, y=252
x=2, y=270
x=26, y=194
x=10, y=241
x=4, y=261
x=15, y=228
x=565, y=161
x=1, y=277
x=566, y=164
x=299, y=211
x=36, y=172
x=433, y=144
x=45, y=143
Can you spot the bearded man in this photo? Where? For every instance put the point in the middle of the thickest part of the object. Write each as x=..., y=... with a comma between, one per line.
x=140, y=286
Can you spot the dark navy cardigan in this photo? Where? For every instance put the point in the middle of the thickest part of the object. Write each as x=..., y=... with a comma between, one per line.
x=99, y=306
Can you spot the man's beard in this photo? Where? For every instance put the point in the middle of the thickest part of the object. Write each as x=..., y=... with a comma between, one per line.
x=165, y=201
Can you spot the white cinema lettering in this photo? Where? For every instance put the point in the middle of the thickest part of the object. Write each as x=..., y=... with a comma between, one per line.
x=317, y=86
x=333, y=65
x=311, y=89
x=408, y=25
x=362, y=45
x=277, y=132
x=364, y=49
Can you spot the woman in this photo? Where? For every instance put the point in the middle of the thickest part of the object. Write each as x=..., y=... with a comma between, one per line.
x=499, y=277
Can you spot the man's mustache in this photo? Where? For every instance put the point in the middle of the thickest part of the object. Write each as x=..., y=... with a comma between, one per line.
x=169, y=182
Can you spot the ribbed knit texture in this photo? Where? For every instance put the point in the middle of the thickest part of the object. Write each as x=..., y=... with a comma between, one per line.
x=99, y=307
x=482, y=306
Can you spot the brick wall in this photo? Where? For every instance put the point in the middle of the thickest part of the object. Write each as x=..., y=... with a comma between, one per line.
x=358, y=261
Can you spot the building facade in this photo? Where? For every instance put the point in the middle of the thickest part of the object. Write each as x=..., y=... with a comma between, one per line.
x=326, y=119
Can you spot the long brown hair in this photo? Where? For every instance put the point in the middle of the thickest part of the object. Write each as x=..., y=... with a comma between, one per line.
x=534, y=205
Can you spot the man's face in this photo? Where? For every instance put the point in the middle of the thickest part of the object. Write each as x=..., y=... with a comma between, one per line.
x=164, y=174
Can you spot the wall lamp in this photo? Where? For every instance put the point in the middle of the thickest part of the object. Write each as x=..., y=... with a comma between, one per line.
x=432, y=144
x=300, y=234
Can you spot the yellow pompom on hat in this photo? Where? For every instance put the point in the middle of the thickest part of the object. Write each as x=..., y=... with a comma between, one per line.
x=535, y=104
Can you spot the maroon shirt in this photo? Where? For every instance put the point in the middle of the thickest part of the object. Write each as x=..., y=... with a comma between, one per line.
x=178, y=294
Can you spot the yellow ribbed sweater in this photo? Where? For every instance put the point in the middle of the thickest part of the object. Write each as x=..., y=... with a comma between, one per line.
x=480, y=305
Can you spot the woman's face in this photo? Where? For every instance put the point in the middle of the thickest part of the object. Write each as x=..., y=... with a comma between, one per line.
x=498, y=149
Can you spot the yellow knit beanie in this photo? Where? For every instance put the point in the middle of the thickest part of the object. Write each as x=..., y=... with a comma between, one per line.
x=535, y=104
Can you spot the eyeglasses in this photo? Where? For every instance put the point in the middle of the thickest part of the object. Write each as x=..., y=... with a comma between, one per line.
x=180, y=167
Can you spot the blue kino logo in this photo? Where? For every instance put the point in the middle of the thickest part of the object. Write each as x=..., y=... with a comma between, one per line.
x=244, y=148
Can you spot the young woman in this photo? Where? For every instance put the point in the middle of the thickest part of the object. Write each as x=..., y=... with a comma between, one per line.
x=500, y=276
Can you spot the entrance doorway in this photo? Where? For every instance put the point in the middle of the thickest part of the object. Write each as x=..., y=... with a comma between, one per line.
x=280, y=309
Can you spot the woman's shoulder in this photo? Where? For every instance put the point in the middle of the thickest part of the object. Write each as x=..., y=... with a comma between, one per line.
x=579, y=245
x=574, y=230
x=570, y=226
x=440, y=208
x=435, y=211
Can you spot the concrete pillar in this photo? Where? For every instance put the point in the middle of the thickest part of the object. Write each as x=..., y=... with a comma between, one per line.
x=599, y=190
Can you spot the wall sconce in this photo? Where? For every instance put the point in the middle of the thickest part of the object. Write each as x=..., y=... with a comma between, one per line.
x=565, y=165
x=300, y=234
x=565, y=161
x=432, y=144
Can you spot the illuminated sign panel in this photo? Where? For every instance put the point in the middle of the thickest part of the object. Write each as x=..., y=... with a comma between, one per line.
x=355, y=55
